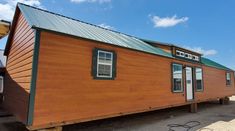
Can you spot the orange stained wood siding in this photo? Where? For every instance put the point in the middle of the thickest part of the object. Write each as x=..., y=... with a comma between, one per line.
x=66, y=90
x=215, y=84
x=19, y=69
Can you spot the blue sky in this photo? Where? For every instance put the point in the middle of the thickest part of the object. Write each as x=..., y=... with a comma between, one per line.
x=204, y=25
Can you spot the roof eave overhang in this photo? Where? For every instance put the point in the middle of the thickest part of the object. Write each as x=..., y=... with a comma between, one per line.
x=169, y=45
x=11, y=32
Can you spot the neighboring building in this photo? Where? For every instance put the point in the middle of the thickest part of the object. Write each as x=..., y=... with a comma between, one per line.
x=2, y=72
x=63, y=71
x=2, y=59
x=4, y=28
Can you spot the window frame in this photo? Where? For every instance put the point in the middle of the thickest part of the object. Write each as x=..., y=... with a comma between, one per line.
x=230, y=82
x=202, y=83
x=96, y=62
x=2, y=84
x=101, y=63
x=172, y=78
x=187, y=55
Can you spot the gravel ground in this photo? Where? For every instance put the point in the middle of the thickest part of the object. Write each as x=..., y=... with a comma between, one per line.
x=211, y=116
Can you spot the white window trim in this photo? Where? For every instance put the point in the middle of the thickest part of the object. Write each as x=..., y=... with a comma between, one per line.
x=189, y=56
x=201, y=79
x=182, y=83
x=110, y=64
x=228, y=79
x=178, y=53
x=196, y=58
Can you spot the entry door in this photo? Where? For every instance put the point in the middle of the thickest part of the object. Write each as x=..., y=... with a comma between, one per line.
x=189, y=83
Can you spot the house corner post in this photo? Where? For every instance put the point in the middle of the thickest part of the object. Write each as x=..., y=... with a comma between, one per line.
x=33, y=77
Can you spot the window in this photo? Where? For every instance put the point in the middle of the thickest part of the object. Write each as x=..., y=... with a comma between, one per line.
x=178, y=53
x=199, y=79
x=182, y=54
x=189, y=56
x=228, y=78
x=1, y=84
x=186, y=55
x=177, y=77
x=196, y=58
x=104, y=64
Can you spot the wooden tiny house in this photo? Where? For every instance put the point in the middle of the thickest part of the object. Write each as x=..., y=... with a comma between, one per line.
x=63, y=71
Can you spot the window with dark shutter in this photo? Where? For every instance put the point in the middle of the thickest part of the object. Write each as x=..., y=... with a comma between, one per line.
x=199, y=79
x=228, y=79
x=177, y=76
x=103, y=64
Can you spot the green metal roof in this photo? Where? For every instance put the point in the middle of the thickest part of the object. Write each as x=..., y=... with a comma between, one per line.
x=54, y=22
x=42, y=19
x=214, y=64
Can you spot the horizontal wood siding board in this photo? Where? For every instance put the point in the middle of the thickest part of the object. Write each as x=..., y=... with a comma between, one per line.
x=22, y=41
x=19, y=41
x=27, y=59
x=22, y=73
x=19, y=24
x=25, y=66
x=21, y=70
x=21, y=56
x=23, y=79
x=21, y=63
x=19, y=33
x=18, y=69
x=24, y=44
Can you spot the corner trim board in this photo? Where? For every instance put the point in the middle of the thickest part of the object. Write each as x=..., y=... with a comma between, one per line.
x=33, y=77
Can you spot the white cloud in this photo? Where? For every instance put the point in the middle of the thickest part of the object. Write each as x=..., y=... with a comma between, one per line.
x=167, y=21
x=7, y=7
x=91, y=1
x=106, y=26
x=203, y=51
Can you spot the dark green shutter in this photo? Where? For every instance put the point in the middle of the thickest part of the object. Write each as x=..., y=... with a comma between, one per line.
x=94, y=62
x=34, y=77
x=114, y=65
